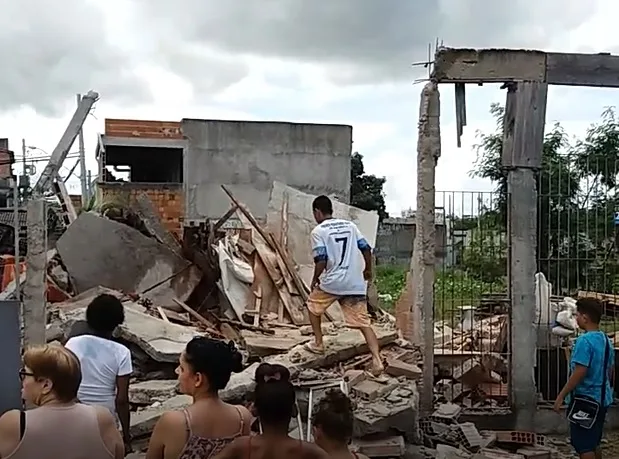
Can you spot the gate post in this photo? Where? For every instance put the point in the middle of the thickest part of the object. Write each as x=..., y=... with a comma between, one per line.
x=525, y=114
x=423, y=259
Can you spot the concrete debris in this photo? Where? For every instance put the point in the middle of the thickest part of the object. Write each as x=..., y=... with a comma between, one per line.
x=444, y=437
x=469, y=357
x=99, y=251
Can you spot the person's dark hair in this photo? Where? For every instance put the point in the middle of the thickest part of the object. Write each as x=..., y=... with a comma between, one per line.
x=334, y=416
x=105, y=313
x=215, y=359
x=323, y=204
x=274, y=396
x=591, y=307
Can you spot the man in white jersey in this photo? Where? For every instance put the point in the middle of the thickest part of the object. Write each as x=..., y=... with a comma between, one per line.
x=342, y=267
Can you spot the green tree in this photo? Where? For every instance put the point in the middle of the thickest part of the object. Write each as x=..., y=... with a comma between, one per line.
x=577, y=188
x=366, y=191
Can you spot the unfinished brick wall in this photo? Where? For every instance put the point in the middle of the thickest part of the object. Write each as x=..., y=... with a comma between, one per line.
x=166, y=198
x=143, y=128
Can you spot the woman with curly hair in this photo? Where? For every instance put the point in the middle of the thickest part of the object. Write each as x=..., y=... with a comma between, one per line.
x=333, y=425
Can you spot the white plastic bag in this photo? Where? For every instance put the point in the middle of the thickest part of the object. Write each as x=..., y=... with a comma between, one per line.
x=567, y=320
x=560, y=331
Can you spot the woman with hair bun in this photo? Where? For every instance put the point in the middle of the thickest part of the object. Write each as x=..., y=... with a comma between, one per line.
x=274, y=402
x=333, y=425
x=203, y=429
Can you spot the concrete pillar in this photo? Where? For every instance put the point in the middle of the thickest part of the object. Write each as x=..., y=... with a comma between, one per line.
x=525, y=116
x=36, y=273
x=423, y=260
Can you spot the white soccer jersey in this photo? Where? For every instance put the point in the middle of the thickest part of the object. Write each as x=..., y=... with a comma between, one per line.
x=340, y=242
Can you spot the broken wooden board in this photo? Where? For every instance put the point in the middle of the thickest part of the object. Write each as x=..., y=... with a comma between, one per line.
x=293, y=304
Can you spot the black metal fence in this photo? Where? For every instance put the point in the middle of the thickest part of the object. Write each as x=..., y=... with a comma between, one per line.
x=471, y=323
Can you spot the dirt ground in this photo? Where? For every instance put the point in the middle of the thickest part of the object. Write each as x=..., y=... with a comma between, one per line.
x=610, y=445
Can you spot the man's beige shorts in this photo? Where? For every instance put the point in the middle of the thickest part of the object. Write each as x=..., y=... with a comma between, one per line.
x=354, y=307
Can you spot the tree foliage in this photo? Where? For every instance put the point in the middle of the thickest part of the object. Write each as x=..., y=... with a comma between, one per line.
x=577, y=189
x=366, y=191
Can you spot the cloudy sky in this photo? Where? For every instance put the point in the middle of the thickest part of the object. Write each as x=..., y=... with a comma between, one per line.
x=341, y=61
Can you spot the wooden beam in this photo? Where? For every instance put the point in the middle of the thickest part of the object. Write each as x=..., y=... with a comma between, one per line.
x=455, y=65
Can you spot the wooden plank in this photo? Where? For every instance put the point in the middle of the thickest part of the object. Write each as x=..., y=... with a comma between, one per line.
x=300, y=285
x=209, y=327
x=162, y=314
x=283, y=231
x=224, y=218
x=266, y=247
x=268, y=257
x=592, y=70
x=257, y=306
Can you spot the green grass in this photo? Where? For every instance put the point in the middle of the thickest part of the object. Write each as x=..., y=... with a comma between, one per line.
x=452, y=289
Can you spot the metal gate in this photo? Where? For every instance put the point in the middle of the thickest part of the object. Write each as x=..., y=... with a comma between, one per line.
x=471, y=304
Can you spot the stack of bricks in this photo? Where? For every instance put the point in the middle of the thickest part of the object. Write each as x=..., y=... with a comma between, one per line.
x=167, y=200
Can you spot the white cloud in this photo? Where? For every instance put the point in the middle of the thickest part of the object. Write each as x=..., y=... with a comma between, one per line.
x=300, y=62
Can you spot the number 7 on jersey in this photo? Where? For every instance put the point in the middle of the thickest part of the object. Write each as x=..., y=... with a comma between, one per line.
x=344, y=243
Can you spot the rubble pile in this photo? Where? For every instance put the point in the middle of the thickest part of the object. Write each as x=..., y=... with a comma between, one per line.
x=471, y=360
x=238, y=279
x=445, y=437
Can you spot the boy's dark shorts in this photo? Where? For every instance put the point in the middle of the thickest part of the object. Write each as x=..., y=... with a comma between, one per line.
x=588, y=440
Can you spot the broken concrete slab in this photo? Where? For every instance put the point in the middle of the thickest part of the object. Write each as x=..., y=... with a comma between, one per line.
x=261, y=345
x=385, y=447
x=156, y=390
x=162, y=341
x=343, y=345
x=143, y=421
x=399, y=368
x=98, y=251
x=396, y=413
x=371, y=390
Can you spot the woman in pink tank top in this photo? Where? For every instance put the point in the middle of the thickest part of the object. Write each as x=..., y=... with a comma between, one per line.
x=58, y=426
x=203, y=429
x=332, y=424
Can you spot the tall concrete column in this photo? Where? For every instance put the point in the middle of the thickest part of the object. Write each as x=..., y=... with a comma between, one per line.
x=35, y=286
x=525, y=115
x=423, y=260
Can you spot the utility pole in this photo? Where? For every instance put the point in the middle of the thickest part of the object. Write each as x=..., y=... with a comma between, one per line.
x=16, y=228
x=35, y=285
x=50, y=172
x=82, y=160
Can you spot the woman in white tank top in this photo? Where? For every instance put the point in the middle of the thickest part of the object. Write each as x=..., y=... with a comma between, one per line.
x=58, y=426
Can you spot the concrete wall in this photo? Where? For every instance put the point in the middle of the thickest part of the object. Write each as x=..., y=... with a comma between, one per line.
x=394, y=242
x=249, y=155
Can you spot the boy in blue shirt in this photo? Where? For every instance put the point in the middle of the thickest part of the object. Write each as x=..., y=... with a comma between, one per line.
x=588, y=375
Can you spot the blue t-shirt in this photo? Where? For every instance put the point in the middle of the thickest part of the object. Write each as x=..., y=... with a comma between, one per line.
x=589, y=351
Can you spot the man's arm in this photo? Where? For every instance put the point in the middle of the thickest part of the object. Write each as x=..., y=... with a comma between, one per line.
x=125, y=368
x=366, y=251
x=319, y=251
x=109, y=433
x=581, y=357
